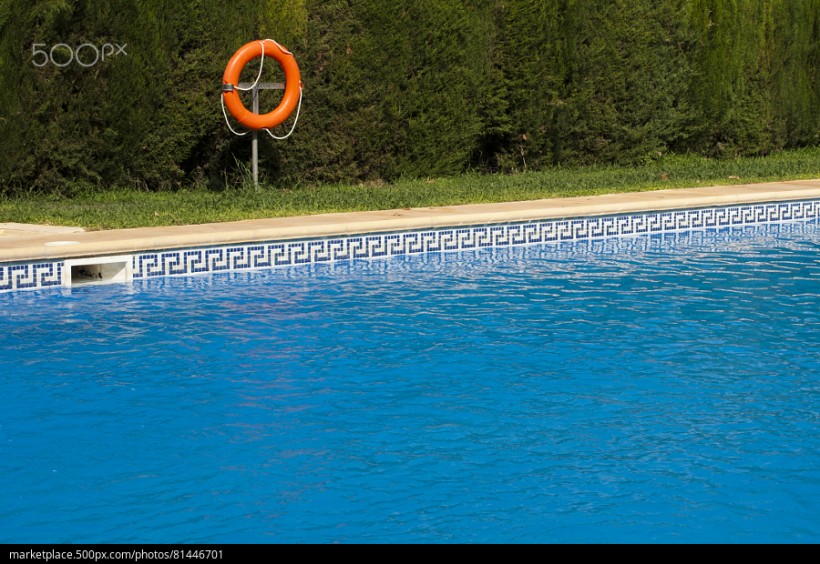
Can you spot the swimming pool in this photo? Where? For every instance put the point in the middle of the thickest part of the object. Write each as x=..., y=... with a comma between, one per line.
x=656, y=388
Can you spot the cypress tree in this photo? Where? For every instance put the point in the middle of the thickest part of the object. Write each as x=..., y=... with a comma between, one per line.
x=595, y=81
x=392, y=91
x=730, y=97
x=793, y=57
x=539, y=60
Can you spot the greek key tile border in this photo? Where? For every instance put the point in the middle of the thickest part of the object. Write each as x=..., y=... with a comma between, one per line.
x=378, y=245
x=184, y=262
x=30, y=276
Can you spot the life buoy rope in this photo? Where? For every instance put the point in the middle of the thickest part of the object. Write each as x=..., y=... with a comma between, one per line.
x=291, y=99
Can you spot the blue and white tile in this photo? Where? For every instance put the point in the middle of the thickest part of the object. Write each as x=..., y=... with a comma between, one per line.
x=185, y=262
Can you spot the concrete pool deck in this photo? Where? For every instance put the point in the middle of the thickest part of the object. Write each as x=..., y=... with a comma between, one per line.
x=22, y=243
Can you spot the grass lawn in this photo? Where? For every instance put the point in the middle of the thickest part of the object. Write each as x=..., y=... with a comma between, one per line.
x=121, y=207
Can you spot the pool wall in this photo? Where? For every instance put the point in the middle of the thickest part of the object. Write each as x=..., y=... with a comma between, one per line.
x=43, y=274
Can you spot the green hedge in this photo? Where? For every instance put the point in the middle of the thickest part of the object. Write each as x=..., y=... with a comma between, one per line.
x=148, y=118
x=405, y=89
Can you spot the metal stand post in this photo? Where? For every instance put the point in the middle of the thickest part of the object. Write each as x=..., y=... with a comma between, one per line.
x=255, y=143
x=255, y=139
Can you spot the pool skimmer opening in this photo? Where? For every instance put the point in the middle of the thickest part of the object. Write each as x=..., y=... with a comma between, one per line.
x=94, y=271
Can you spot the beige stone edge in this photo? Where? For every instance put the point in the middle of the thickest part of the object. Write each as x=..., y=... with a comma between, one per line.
x=39, y=246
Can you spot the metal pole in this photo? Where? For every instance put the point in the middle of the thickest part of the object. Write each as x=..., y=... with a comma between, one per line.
x=255, y=143
x=255, y=88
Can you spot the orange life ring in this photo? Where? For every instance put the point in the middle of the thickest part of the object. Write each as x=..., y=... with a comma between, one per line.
x=293, y=84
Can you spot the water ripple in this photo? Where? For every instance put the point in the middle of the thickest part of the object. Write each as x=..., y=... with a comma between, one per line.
x=654, y=389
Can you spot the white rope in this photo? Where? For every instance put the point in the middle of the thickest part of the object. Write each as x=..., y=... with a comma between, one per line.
x=296, y=119
x=227, y=121
x=255, y=83
x=222, y=96
x=261, y=64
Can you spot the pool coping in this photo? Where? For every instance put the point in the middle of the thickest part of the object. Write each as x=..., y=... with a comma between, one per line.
x=31, y=244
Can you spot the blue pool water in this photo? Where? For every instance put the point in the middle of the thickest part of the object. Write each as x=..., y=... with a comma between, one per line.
x=654, y=389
